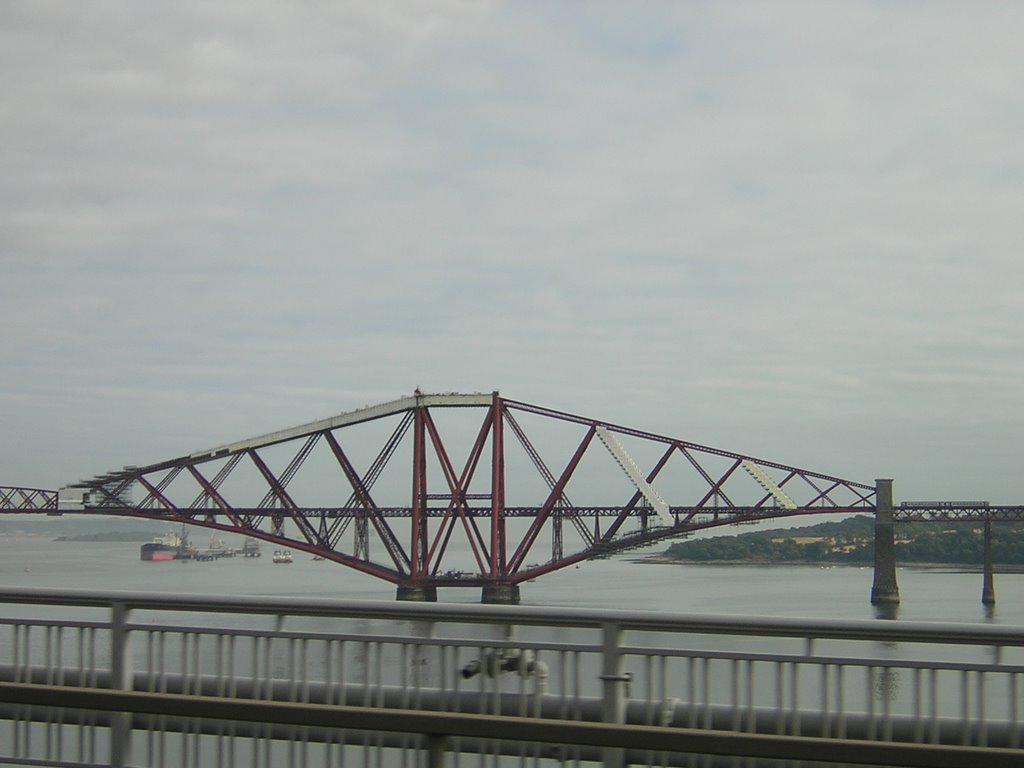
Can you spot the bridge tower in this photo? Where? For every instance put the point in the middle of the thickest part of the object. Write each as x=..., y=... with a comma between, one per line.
x=885, y=590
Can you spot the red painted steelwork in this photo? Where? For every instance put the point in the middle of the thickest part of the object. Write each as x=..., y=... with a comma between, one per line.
x=446, y=543
x=498, y=563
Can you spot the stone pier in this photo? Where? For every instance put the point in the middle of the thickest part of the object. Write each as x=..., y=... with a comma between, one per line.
x=885, y=589
x=417, y=594
x=988, y=585
x=500, y=594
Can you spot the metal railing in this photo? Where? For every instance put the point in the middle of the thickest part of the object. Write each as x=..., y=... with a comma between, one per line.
x=148, y=679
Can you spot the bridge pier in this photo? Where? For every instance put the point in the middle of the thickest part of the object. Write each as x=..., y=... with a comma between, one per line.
x=416, y=594
x=885, y=590
x=500, y=594
x=988, y=586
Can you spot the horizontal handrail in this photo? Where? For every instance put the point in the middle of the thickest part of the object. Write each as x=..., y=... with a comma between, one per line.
x=444, y=725
x=843, y=629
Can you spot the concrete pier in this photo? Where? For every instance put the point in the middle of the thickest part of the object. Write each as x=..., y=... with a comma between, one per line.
x=500, y=594
x=988, y=586
x=885, y=589
x=417, y=594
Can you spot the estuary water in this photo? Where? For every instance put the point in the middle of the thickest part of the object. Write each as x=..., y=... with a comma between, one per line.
x=621, y=582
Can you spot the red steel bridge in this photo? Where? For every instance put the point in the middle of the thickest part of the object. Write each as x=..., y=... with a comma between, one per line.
x=457, y=490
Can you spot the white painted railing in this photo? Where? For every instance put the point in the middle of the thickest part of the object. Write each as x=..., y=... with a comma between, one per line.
x=837, y=683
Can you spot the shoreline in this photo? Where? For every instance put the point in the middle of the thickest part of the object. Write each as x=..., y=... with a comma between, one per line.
x=965, y=567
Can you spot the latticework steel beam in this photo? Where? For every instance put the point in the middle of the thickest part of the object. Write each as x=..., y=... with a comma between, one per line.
x=16, y=499
x=481, y=509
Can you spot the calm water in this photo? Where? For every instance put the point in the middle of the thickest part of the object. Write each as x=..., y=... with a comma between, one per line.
x=797, y=591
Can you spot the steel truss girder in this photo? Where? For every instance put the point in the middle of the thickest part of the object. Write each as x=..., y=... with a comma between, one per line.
x=1011, y=513
x=731, y=514
x=18, y=499
x=370, y=513
x=499, y=552
x=457, y=508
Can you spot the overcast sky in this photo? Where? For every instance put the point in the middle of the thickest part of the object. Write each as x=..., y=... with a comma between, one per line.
x=786, y=229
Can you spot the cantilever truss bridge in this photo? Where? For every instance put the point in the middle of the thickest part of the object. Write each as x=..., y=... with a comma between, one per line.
x=438, y=490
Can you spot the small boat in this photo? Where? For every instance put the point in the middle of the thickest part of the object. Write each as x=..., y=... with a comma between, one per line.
x=282, y=556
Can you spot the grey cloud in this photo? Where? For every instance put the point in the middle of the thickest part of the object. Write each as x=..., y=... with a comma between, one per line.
x=790, y=231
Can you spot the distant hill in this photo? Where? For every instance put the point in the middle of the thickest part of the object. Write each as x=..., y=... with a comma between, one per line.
x=852, y=541
x=82, y=528
x=110, y=536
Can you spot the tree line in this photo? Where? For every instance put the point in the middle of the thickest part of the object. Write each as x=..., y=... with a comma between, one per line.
x=851, y=541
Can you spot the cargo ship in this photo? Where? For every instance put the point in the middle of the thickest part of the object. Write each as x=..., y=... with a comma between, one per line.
x=170, y=546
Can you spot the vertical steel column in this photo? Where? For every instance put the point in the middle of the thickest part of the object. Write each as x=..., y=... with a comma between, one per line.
x=556, y=535
x=419, y=496
x=988, y=588
x=885, y=590
x=499, y=558
x=499, y=589
x=419, y=569
x=361, y=550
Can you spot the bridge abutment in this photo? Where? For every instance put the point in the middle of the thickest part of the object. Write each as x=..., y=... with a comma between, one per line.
x=500, y=594
x=416, y=594
x=885, y=590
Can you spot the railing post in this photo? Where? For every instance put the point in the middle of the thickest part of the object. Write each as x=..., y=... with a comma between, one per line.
x=613, y=685
x=120, y=679
x=436, y=748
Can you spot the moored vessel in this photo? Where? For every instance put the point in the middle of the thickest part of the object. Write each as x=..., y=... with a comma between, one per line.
x=166, y=547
